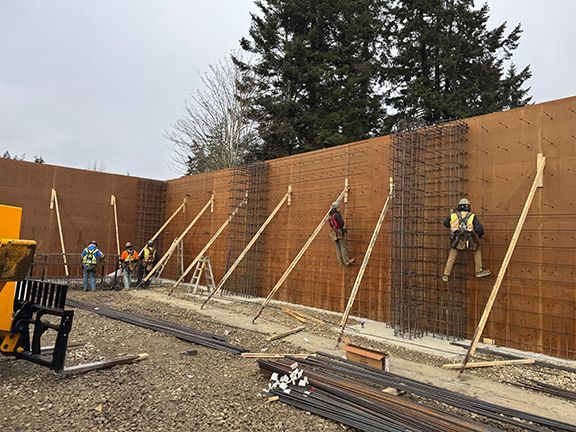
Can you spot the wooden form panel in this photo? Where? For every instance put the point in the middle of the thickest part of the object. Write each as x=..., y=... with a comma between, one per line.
x=316, y=178
x=84, y=198
x=536, y=307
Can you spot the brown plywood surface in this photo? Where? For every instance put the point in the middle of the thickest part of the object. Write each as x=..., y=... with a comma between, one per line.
x=535, y=309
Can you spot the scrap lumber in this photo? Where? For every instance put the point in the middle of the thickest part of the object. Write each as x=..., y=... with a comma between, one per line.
x=541, y=162
x=162, y=261
x=285, y=198
x=305, y=316
x=488, y=364
x=300, y=254
x=294, y=315
x=365, y=261
x=102, y=364
x=286, y=333
x=207, y=246
x=54, y=205
x=275, y=355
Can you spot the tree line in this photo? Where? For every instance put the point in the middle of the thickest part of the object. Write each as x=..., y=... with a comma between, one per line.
x=316, y=74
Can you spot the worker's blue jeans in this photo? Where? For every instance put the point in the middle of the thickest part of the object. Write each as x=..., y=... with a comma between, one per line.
x=89, y=278
x=127, y=277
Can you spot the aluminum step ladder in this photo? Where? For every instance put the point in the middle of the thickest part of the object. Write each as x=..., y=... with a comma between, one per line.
x=203, y=266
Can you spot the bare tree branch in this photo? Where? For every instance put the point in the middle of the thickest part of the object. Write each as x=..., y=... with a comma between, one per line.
x=214, y=132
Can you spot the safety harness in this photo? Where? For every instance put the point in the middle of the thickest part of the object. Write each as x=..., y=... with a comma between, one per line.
x=462, y=229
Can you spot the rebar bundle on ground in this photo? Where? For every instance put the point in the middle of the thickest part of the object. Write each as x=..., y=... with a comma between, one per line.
x=361, y=378
x=546, y=388
x=362, y=407
x=187, y=334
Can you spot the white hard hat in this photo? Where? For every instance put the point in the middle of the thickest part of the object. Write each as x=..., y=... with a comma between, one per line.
x=464, y=201
x=335, y=205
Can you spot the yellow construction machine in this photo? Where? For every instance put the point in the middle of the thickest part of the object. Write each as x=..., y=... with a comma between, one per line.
x=28, y=308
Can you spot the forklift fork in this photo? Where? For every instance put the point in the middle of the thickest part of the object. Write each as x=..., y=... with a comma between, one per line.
x=34, y=301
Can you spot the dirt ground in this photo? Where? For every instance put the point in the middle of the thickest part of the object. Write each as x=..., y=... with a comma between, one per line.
x=213, y=390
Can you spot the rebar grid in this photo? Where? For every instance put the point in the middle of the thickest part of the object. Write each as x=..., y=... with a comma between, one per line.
x=250, y=179
x=428, y=165
x=150, y=213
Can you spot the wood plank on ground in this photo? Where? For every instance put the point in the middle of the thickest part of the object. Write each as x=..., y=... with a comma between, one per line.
x=286, y=333
x=488, y=364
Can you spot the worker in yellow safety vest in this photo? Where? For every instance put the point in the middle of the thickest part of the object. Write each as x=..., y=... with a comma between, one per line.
x=148, y=260
x=465, y=234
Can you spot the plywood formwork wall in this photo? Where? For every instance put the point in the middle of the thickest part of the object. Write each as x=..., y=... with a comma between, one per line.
x=84, y=198
x=317, y=178
x=536, y=307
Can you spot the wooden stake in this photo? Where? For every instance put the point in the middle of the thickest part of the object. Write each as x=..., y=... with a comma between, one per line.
x=212, y=240
x=54, y=205
x=365, y=260
x=177, y=241
x=488, y=364
x=504, y=267
x=298, y=256
x=285, y=198
x=113, y=204
x=286, y=333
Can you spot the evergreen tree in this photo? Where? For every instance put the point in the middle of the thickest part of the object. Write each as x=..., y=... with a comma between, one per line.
x=315, y=71
x=446, y=63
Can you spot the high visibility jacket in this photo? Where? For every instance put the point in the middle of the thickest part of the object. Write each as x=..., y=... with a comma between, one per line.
x=90, y=255
x=149, y=254
x=467, y=222
x=129, y=256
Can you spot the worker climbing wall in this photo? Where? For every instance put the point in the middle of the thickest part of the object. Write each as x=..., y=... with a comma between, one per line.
x=428, y=166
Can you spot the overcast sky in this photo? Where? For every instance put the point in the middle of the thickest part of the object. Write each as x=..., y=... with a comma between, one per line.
x=99, y=81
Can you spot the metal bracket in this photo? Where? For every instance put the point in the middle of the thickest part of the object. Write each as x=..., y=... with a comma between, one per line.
x=185, y=202
x=540, y=182
x=52, y=199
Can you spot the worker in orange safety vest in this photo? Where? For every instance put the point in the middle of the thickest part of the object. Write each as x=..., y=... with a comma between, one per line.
x=128, y=260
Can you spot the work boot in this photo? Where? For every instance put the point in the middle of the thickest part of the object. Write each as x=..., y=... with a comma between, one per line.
x=445, y=278
x=483, y=273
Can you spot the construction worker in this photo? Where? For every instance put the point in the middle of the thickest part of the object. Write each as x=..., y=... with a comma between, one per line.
x=128, y=261
x=90, y=256
x=465, y=234
x=338, y=234
x=148, y=259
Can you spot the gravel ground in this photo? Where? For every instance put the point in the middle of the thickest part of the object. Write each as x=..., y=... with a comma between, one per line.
x=273, y=313
x=171, y=391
